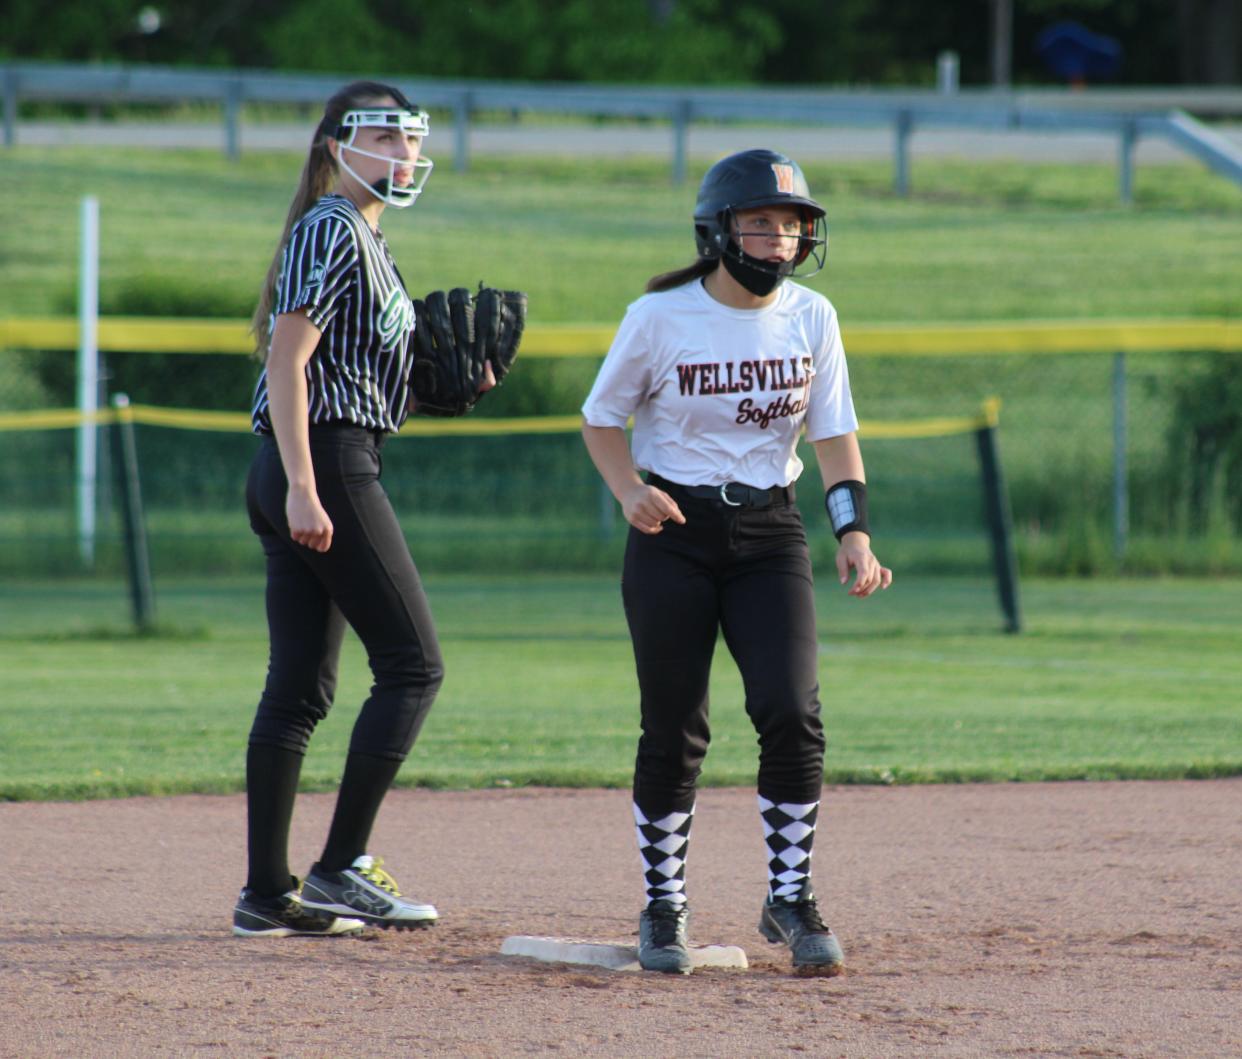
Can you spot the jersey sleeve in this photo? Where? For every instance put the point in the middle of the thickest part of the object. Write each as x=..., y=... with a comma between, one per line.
x=831, y=410
x=316, y=269
x=624, y=378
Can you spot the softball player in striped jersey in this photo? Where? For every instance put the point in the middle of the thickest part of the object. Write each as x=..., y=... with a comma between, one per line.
x=334, y=326
x=723, y=365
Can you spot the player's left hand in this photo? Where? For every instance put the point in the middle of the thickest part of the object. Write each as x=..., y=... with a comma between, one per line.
x=488, y=382
x=855, y=554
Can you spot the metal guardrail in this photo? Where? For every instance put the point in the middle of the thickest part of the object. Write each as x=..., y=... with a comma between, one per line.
x=1129, y=114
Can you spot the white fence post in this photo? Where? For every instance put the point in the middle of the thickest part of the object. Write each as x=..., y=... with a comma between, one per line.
x=88, y=375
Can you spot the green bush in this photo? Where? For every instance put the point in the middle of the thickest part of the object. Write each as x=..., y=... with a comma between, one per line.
x=22, y=383
x=178, y=379
x=1205, y=441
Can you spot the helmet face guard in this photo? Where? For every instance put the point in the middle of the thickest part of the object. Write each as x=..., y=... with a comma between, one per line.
x=751, y=180
x=812, y=237
x=409, y=121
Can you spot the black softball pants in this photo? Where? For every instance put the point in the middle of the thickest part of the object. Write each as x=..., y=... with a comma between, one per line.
x=745, y=573
x=366, y=578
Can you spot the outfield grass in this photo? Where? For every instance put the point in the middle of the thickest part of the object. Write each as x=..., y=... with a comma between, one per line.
x=1110, y=680
x=976, y=240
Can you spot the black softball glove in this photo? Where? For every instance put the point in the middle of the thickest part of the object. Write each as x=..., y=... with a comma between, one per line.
x=455, y=335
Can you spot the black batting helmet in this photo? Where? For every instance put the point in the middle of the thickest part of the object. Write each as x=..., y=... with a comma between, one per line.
x=747, y=180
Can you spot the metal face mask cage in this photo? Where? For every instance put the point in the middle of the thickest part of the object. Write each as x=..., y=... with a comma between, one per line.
x=812, y=243
x=409, y=122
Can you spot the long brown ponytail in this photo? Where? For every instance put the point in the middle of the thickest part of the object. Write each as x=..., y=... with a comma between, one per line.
x=318, y=178
x=700, y=267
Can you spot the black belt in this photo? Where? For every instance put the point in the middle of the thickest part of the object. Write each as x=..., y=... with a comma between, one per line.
x=732, y=494
x=345, y=426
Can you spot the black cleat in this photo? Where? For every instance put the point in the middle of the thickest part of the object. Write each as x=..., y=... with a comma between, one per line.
x=285, y=916
x=662, y=938
x=816, y=951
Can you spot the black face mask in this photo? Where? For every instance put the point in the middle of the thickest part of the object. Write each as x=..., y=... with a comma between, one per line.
x=758, y=277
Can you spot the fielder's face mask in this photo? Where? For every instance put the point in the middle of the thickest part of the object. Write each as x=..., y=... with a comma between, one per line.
x=405, y=121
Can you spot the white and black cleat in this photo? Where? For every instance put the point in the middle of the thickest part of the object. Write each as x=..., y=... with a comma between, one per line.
x=365, y=891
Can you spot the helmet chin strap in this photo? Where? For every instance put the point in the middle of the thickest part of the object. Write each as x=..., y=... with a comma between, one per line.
x=757, y=276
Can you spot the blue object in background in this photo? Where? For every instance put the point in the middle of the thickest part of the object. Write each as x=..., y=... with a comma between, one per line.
x=1075, y=54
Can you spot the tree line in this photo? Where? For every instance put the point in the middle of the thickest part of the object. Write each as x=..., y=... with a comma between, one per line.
x=833, y=42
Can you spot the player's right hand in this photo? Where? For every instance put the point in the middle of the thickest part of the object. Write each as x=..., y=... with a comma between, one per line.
x=854, y=553
x=647, y=508
x=309, y=524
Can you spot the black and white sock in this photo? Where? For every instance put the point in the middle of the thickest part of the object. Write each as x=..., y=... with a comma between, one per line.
x=663, y=844
x=789, y=831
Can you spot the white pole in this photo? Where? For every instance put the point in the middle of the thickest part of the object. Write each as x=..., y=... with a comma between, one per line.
x=88, y=374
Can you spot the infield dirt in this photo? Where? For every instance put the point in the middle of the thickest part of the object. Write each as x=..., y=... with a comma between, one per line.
x=1072, y=919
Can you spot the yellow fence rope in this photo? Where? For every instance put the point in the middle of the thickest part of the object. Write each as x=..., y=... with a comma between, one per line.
x=239, y=422
x=160, y=335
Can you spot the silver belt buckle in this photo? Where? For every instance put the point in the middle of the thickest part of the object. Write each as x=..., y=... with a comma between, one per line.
x=724, y=495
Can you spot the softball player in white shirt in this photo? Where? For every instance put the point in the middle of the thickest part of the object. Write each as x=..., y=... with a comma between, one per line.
x=722, y=365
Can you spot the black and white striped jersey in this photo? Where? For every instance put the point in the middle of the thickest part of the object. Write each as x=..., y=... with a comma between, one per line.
x=342, y=274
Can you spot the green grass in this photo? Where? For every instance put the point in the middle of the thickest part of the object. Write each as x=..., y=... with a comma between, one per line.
x=1110, y=680
x=986, y=240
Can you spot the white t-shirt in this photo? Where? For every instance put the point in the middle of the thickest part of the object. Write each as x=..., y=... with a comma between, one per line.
x=720, y=394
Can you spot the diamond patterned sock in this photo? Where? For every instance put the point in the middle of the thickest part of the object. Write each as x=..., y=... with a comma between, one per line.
x=789, y=831
x=663, y=844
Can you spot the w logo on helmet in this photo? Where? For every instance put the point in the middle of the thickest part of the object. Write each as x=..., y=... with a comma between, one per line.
x=784, y=177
